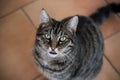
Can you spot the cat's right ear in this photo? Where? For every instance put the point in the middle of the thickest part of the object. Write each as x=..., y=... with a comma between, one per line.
x=44, y=17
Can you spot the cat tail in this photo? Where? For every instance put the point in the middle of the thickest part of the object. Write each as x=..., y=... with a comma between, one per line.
x=103, y=13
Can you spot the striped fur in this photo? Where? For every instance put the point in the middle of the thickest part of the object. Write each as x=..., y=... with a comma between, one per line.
x=79, y=56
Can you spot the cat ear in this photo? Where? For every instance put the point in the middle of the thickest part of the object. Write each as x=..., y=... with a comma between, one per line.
x=72, y=23
x=44, y=18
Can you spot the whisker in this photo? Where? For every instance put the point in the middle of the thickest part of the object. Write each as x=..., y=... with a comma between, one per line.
x=69, y=57
x=72, y=58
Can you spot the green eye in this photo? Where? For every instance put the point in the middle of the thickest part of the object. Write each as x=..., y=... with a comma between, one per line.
x=62, y=39
x=47, y=36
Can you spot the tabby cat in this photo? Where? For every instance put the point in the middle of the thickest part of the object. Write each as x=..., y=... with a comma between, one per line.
x=71, y=49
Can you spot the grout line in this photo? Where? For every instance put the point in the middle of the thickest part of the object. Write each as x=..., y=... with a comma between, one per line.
x=108, y=58
x=29, y=18
x=17, y=9
x=108, y=38
x=111, y=35
x=112, y=65
x=9, y=13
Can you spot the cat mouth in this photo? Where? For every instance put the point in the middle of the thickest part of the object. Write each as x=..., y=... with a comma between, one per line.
x=53, y=52
x=55, y=65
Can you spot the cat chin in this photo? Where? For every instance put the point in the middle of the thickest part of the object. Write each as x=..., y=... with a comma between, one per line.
x=52, y=74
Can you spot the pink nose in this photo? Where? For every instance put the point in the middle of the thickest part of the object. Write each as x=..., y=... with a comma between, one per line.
x=52, y=49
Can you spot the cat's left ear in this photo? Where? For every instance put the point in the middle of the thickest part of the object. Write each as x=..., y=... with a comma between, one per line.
x=44, y=18
x=72, y=23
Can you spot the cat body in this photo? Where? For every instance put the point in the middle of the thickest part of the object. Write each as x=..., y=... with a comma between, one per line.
x=71, y=49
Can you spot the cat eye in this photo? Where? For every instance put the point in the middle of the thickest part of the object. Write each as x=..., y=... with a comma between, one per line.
x=47, y=36
x=64, y=38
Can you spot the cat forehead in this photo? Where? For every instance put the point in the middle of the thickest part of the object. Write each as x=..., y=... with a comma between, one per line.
x=57, y=30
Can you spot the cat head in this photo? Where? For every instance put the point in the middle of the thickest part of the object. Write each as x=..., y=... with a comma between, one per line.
x=56, y=37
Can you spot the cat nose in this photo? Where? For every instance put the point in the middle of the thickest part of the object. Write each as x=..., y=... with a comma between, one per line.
x=52, y=51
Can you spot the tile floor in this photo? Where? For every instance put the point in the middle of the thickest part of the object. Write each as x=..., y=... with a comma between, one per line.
x=19, y=20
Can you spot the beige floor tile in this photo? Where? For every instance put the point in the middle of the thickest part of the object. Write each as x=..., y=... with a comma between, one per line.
x=110, y=26
x=16, y=42
x=33, y=10
x=7, y=6
x=112, y=50
x=107, y=72
x=60, y=9
x=40, y=77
